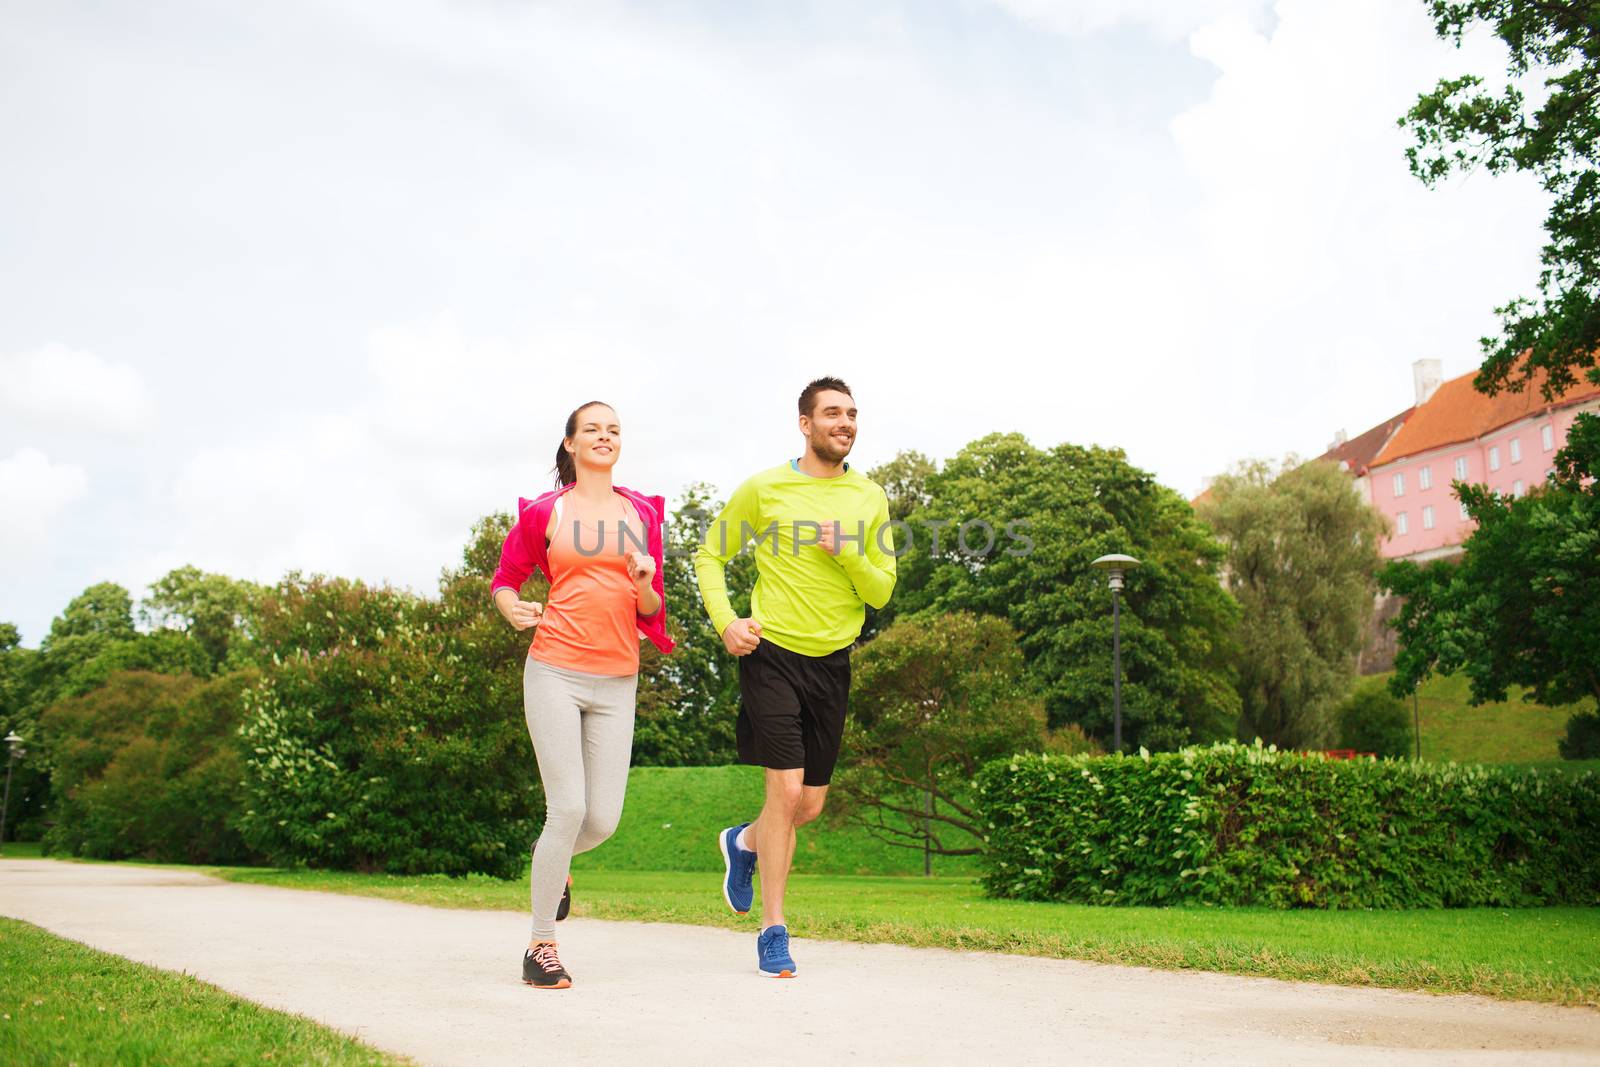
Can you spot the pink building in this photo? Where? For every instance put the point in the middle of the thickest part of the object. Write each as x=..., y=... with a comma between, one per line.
x=1455, y=433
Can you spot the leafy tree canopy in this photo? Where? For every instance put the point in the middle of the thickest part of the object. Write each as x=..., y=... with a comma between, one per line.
x=1522, y=604
x=1053, y=511
x=1302, y=561
x=932, y=699
x=213, y=609
x=1460, y=126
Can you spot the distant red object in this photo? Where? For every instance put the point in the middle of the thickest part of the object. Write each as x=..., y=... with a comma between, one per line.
x=1348, y=753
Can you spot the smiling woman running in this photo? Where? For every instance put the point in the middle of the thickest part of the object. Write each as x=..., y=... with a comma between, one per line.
x=600, y=546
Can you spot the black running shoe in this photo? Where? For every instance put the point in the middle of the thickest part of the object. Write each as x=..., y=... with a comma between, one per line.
x=566, y=901
x=541, y=968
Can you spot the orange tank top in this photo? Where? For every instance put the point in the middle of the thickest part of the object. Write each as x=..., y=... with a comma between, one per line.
x=590, y=620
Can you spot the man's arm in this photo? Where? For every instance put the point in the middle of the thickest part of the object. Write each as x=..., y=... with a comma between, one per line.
x=871, y=567
x=723, y=540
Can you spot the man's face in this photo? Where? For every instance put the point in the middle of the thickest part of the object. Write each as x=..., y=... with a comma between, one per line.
x=831, y=426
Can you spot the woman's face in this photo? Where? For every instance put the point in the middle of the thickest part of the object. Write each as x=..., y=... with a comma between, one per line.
x=598, y=440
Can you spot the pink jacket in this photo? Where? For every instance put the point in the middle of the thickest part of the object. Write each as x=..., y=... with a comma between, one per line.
x=525, y=549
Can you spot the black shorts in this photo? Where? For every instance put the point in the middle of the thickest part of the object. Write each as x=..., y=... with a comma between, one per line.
x=791, y=710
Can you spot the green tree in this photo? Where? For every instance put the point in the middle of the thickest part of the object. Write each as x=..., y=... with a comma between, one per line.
x=1583, y=737
x=932, y=699
x=148, y=766
x=1051, y=513
x=905, y=482
x=104, y=610
x=164, y=651
x=1302, y=562
x=212, y=609
x=1460, y=126
x=1372, y=719
x=1521, y=606
x=92, y=623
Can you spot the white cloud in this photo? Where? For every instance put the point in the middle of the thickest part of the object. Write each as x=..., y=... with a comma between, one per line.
x=1170, y=18
x=63, y=388
x=33, y=493
x=445, y=428
x=1328, y=266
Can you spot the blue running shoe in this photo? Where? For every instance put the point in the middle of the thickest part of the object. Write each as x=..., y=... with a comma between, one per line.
x=772, y=953
x=739, y=867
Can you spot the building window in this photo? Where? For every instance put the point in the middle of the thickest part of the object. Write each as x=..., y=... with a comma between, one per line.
x=1461, y=468
x=1464, y=515
x=1494, y=458
x=1547, y=437
x=1401, y=526
x=1400, y=484
x=1425, y=478
x=1516, y=487
x=1516, y=450
x=1427, y=517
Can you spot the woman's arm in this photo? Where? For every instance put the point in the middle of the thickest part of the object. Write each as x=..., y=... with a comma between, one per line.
x=518, y=612
x=642, y=569
x=516, y=564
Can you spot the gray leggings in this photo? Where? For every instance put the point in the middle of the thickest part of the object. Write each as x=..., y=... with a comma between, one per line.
x=582, y=730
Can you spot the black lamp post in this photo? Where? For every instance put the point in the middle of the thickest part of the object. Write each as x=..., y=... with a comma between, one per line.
x=1114, y=565
x=12, y=743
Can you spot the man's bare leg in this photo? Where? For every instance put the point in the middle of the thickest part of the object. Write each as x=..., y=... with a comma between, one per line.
x=789, y=804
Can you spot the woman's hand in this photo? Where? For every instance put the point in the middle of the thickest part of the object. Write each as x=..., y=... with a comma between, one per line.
x=641, y=568
x=524, y=613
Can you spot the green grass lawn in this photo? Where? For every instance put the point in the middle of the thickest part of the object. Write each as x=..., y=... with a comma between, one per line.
x=62, y=1003
x=1550, y=954
x=1508, y=732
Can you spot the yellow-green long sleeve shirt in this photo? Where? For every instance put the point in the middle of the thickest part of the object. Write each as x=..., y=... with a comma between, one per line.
x=806, y=600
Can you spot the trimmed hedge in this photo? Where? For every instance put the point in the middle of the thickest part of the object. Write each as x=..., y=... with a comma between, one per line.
x=1247, y=825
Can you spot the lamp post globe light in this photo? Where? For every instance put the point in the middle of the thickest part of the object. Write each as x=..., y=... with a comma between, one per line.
x=13, y=745
x=1114, y=565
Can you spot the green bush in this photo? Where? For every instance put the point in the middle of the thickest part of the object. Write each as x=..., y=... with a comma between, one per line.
x=387, y=732
x=1372, y=719
x=1237, y=825
x=148, y=767
x=1583, y=737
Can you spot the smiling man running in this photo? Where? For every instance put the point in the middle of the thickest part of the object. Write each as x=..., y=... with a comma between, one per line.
x=823, y=551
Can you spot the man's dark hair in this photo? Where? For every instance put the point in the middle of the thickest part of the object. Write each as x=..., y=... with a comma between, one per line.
x=808, y=395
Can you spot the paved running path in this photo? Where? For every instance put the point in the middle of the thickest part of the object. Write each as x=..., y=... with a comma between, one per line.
x=443, y=987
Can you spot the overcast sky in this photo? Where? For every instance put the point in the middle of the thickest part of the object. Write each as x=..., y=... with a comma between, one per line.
x=314, y=285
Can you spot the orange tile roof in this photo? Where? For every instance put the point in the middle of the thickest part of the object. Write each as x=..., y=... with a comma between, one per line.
x=1457, y=412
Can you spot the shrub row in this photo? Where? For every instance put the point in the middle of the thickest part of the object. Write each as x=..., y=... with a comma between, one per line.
x=1241, y=825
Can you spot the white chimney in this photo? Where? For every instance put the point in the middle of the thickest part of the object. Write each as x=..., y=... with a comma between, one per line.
x=1338, y=439
x=1426, y=374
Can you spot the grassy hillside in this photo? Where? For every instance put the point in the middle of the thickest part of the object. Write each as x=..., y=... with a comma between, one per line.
x=672, y=814
x=1509, y=732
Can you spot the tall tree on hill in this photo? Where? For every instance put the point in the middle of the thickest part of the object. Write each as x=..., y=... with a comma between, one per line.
x=1460, y=126
x=1302, y=560
x=1051, y=512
